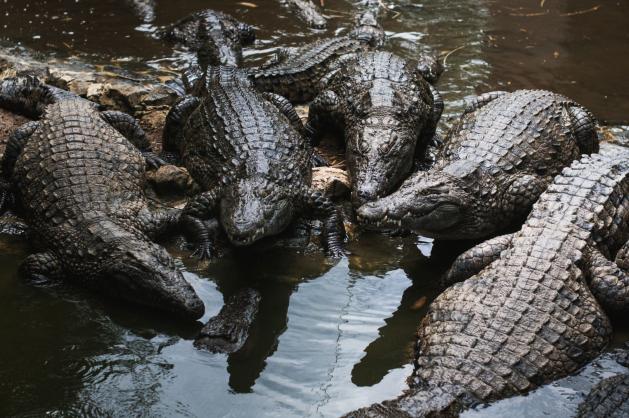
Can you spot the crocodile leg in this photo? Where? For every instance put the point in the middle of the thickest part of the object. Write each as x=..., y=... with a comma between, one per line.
x=426, y=157
x=227, y=332
x=480, y=101
x=176, y=121
x=159, y=221
x=583, y=126
x=29, y=96
x=522, y=192
x=429, y=67
x=6, y=197
x=609, y=280
x=287, y=109
x=14, y=146
x=475, y=259
x=334, y=232
x=129, y=127
x=437, y=105
x=199, y=221
x=13, y=149
x=41, y=267
x=324, y=109
x=193, y=79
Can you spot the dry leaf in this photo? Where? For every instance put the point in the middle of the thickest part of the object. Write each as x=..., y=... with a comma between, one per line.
x=247, y=4
x=420, y=303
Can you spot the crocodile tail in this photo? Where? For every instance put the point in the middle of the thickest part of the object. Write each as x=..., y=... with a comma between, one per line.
x=29, y=96
x=441, y=401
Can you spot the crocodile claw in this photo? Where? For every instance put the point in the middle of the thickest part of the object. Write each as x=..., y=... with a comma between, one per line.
x=336, y=253
x=202, y=252
x=319, y=161
x=153, y=161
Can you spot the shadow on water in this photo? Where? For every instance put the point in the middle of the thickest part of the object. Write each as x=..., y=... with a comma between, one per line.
x=329, y=336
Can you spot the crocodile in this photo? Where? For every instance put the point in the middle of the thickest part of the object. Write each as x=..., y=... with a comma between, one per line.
x=307, y=11
x=610, y=396
x=368, y=30
x=296, y=73
x=218, y=35
x=144, y=9
x=496, y=161
x=535, y=314
x=246, y=150
x=78, y=181
x=388, y=114
x=608, y=399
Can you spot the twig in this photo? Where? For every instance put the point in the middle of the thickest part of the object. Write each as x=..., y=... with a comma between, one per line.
x=580, y=12
x=529, y=14
x=445, y=59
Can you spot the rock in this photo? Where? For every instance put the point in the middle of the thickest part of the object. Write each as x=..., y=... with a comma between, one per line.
x=143, y=95
x=172, y=180
x=333, y=182
x=152, y=121
x=8, y=122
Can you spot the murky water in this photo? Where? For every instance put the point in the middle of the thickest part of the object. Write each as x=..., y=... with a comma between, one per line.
x=329, y=337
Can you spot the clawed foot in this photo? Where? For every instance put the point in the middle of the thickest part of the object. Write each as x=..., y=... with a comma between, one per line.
x=203, y=251
x=153, y=161
x=319, y=161
x=336, y=252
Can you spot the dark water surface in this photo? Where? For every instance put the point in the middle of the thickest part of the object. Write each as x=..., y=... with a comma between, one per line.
x=330, y=337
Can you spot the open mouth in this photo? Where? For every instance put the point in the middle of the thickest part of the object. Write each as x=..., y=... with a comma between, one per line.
x=397, y=221
x=248, y=238
x=380, y=222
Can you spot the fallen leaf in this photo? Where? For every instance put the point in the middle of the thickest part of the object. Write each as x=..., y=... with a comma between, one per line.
x=247, y=4
x=420, y=303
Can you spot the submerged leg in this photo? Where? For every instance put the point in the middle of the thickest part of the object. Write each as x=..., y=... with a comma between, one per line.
x=609, y=280
x=476, y=259
x=227, y=332
x=41, y=267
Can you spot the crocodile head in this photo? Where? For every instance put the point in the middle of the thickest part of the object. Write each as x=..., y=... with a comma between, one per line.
x=143, y=272
x=254, y=208
x=380, y=155
x=430, y=203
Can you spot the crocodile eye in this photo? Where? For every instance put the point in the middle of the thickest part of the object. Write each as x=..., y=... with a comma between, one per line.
x=387, y=144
